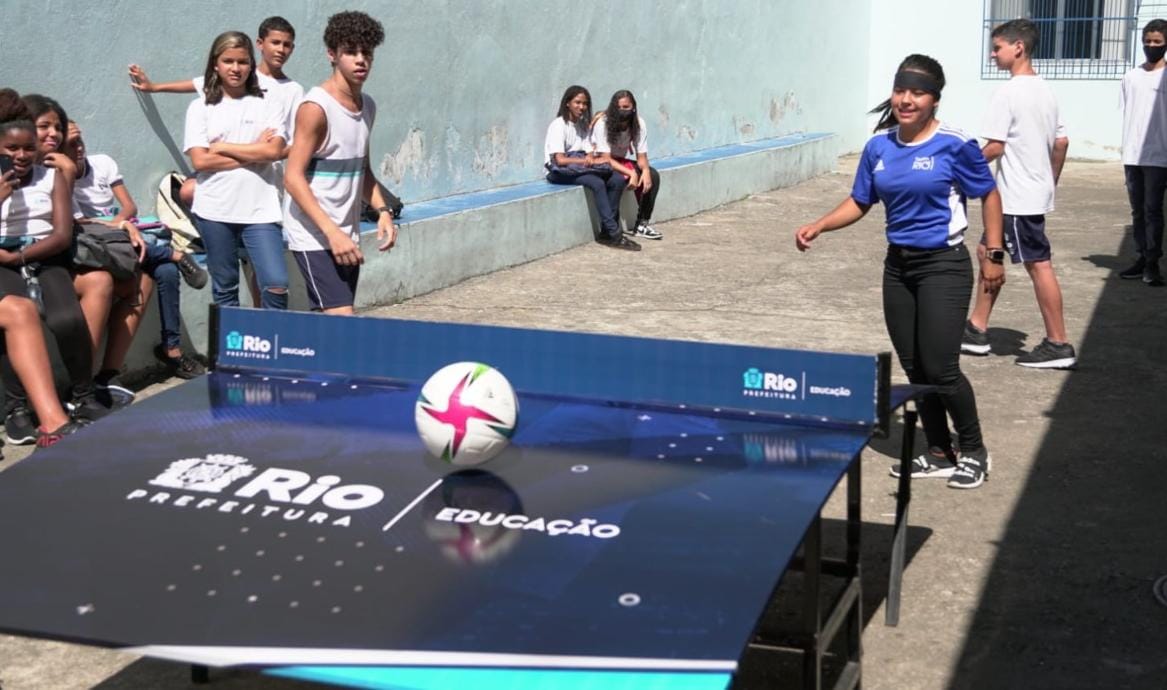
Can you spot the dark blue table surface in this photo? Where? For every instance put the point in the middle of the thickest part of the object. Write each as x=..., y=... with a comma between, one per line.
x=709, y=511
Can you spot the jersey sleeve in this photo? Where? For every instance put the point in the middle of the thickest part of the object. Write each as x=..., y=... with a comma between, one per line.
x=863, y=188
x=642, y=140
x=113, y=176
x=194, y=134
x=971, y=171
x=276, y=115
x=995, y=126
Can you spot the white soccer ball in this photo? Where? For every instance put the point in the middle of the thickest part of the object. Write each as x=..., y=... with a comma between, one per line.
x=466, y=413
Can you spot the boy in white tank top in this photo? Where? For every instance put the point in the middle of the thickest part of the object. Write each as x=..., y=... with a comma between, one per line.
x=328, y=173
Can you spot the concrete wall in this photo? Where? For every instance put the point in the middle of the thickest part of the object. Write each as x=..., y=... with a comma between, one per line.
x=952, y=31
x=465, y=87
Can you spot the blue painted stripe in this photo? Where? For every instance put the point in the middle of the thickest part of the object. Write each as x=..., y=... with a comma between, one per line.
x=340, y=167
x=460, y=203
x=502, y=679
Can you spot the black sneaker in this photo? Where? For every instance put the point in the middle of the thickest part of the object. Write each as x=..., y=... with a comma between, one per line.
x=194, y=275
x=1151, y=274
x=184, y=366
x=51, y=438
x=974, y=341
x=1135, y=271
x=972, y=470
x=935, y=463
x=88, y=409
x=620, y=242
x=1049, y=355
x=111, y=392
x=20, y=427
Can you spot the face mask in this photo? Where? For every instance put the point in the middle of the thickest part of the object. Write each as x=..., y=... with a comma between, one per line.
x=625, y=116
x=1154, y=53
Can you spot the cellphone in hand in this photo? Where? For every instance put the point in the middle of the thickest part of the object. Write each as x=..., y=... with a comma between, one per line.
x=6, y=163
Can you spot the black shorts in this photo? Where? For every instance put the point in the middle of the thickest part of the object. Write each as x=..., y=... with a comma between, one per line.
x=1025, y=239
x=329, y=284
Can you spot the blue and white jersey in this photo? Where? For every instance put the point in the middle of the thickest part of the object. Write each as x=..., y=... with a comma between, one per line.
x=924, y=186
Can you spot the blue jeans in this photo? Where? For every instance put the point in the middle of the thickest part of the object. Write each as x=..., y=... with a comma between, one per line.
x=158, y=265
x=605, y=190
x=265, y=247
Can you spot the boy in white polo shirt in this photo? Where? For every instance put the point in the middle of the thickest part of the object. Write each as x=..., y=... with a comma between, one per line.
x=328, y=170
x=1027, y=139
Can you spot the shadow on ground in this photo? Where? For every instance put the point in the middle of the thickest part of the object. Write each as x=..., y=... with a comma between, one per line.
x=1068, y=602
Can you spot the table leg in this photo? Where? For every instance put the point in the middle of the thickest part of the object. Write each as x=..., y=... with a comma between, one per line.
x=812, y=659
x=900, y=538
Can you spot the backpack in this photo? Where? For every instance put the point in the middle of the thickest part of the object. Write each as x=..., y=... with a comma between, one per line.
x=99, y=246
x=176, y=216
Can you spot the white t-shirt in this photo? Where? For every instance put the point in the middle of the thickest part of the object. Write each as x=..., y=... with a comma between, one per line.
x=93, y=192
x=1023, y=114
x=28, y=211
x=623, y=147
x=565, y=137
x=246, y=194
x=335, y=173
x=288, y=93
x=1144, y=126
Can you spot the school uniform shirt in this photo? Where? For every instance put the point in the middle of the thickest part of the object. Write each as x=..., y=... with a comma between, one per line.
x=93, y=192
x=923, y=186
x=247, y=194
x=565, y=137
x=289, y=93
x=335, y=173
x=1023, y=114
x=28, y=211
x=624, y=147
x=1144, y=127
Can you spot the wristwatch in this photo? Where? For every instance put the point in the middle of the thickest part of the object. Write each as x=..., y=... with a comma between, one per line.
x=385, y=209
x=996, y=255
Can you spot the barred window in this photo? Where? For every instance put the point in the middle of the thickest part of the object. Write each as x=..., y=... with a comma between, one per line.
x=1077, y=39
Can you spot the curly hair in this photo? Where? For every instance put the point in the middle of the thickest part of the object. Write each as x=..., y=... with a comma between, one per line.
x=618, y=123
x=354, y=31
x=14, y=113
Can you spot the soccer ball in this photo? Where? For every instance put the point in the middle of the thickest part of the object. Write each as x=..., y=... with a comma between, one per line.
x=466, y=413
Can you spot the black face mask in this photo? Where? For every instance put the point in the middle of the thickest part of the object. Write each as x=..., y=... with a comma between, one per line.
x=625, y=116
x=1154, y=53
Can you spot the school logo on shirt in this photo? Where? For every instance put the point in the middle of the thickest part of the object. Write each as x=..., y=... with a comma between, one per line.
x=922, y=163
x=878, y=166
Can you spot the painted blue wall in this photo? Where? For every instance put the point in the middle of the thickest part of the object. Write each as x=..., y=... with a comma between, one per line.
x=465, y=88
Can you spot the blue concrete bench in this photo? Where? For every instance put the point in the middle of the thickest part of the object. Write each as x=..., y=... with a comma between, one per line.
x=447, y=240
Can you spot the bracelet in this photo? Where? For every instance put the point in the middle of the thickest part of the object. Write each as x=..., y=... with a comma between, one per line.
x=385, y=209
x=23, y=261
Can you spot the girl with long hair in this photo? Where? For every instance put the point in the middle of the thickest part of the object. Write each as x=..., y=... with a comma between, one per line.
x=923, y=172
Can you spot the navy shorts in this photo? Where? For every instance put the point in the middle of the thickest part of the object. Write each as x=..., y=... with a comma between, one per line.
x=1025, y=239
x=330, y=285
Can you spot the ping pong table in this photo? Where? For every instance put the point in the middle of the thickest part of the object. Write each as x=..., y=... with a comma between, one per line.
x=281, y=513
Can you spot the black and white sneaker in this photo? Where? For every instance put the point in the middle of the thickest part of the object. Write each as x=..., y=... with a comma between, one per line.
x=110, y=391
x=974, y=341
x=1049, y=355
x=1134, y=271
x=620, y=242
x=934, y=463
x=972, y=469
x=646, y=231
x=20, y=427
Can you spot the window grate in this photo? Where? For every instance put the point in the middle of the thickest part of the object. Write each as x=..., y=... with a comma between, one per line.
x=1078, y=39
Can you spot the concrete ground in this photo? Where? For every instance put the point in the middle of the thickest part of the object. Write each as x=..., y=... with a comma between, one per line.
x=1042, y=578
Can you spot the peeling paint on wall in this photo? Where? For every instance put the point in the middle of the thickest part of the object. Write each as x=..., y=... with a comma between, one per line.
x=686, y=132
x=788, y=104
x=744, y=127
x=410, y=157
x=453, y=155
x=662, y=117
x=491, y=155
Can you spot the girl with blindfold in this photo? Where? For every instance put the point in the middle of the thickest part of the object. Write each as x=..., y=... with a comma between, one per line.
x=923, y=172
